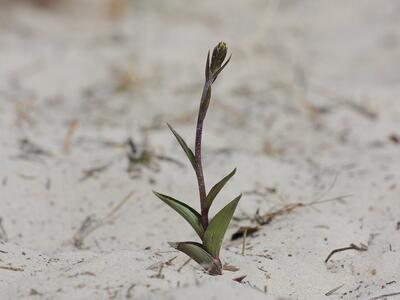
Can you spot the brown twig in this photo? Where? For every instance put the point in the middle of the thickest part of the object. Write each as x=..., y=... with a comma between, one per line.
x=184, y=264
x=93, y=171
x=244, y=241
x=169, y=262
x=12, y=268
x=3, y=233
x=239, y=279
x=362, y=247
x=268, y=217
x=129, y=291
x=68, y=137
x=334, y=290
x=31, y=150
x=90, y=224
x=385, y=296
x=159, y=273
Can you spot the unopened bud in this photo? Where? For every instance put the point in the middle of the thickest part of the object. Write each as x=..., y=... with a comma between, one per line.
x=218, y=56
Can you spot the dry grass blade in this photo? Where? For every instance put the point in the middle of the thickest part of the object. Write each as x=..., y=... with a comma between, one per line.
x=362, y=247
x=90, y=224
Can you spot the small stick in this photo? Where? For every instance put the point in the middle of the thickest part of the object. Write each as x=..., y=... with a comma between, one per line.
x=268, y=217
x=91, y=172
x=334, y=290
x=240, y=278
x=129, y=291
x=169, y=262
x=119, y=205
x=12, y=269
x=184, y=264
x=68, y=137
x=89, y=225
x=385, y=296
x=159, y=273
x=3, y=233
x=351, y=247
x=244, y=241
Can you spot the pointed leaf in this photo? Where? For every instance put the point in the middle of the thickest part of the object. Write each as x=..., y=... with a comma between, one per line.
x=199, y=255
x=188, y=151
x=188, y=213
x=220, y=69
x=207, y=71
x=217, y=188
x=216, y=229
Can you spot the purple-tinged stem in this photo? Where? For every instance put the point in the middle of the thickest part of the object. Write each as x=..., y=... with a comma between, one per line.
x=197, y=155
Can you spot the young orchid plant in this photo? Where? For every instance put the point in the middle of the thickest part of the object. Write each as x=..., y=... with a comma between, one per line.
x=211, y=232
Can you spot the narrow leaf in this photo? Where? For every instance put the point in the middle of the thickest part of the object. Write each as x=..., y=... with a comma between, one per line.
x=188, y=151
x=217, y=228
x=199, y=255
x=207, y=71
x=205, y=102
x=188, y=213
x=220, y=69
x=217, y=188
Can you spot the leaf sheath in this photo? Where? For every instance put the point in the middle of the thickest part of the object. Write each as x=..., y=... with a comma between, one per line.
x=197, y=252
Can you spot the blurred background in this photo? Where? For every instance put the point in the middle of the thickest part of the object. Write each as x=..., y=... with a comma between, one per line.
x=311, y=84
x=309, y=103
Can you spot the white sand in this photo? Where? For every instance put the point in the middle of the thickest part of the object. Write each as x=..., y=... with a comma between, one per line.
x=312, y=93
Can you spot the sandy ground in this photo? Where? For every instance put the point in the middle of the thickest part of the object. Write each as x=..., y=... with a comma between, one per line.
x=307, y=111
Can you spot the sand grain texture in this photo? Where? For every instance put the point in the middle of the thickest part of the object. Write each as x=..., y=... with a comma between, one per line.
x=311, y=95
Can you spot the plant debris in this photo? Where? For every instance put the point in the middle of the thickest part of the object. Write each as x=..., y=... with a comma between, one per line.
x=395, y=139
x=16, y=269
x=244, y=230
x=30, y=151
x=68, y=137
x=146, y=158
x=184, y=264
x=3, y=233
x=239, y=279
x=90, y=224
x=385, y=296
x=93, y=171
x=362, y=247
x=334, y=290
x=230, y=268
x=270, y=216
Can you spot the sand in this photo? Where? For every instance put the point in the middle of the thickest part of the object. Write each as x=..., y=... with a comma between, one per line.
x=307, y=110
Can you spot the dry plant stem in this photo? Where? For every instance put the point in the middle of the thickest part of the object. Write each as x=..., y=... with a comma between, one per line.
x=351, y=247
x=386, y=296
x=334, y=290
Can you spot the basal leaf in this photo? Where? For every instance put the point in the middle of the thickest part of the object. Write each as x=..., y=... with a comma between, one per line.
x=185, y=147
x=187, y=212
x=200, y=255
x=217, y=188
x=216, y=229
